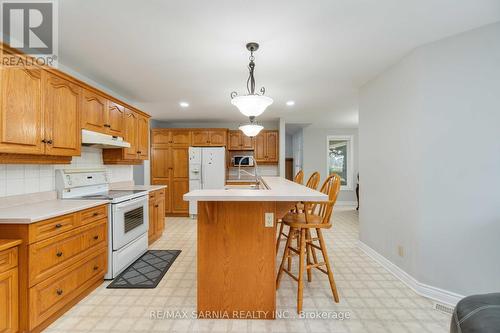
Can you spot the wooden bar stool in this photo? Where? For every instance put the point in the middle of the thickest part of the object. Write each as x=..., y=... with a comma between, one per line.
x=312, y=183
x=316, y=215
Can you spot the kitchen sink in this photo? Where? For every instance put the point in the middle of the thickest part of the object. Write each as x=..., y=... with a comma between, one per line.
x=253, y=186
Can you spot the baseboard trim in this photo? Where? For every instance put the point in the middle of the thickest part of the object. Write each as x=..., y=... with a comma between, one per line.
x=434, y=293
x=347, y=203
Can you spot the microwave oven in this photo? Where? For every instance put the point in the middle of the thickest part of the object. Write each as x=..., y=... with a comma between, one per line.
x=245, y=160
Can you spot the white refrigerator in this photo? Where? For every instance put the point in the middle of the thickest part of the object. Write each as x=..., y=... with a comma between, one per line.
x=207, y=170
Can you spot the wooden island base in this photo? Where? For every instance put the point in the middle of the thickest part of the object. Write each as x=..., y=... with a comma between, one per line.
x=236, y=259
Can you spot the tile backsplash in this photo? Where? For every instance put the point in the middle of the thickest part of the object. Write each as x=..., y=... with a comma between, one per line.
x=24, y=178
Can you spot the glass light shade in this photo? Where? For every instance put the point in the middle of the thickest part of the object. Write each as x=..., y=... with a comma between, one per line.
x=252, y=105
x=251, y=129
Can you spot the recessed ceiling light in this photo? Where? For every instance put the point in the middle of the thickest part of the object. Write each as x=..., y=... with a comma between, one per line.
x=290, y=103
x=183, y=104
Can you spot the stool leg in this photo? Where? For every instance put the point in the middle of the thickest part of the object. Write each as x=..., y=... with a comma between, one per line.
x=328, y=268
x=313, y=250
x=308, y=256
x=293, y=235
x=302, y=241
x=286, y=252
x=279, y=236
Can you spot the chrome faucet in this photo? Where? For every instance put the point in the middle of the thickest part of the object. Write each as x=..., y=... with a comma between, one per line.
x=249, y=173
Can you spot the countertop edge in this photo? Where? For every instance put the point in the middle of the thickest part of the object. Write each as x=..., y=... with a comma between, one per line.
x=85, y=204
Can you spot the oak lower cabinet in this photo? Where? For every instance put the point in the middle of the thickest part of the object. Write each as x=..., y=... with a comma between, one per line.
x=156, y=215
x=267, y=147
x=61, y=260
x=9, y=293
x=239, y=141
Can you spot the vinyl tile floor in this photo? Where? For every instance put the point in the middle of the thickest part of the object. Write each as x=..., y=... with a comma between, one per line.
x=371, y=298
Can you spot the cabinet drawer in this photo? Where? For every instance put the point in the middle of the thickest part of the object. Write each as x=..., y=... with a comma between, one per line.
x=48, y=257
x=93, y=214
x=8, y=259
x=51, y=295
x=160, y=193
x=53, y=227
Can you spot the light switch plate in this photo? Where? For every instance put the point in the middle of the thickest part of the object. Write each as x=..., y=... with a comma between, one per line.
x=269, y=220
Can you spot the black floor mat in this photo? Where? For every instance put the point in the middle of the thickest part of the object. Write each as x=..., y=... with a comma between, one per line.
x=147, y=271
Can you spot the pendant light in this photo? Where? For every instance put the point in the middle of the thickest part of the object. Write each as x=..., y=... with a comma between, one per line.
x=251, y=129
x=253, y=104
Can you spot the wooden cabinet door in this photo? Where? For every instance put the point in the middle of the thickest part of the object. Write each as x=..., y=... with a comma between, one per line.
x=180, y=162
x=180, y=138
x=160, y=163
x=217, y=137
x=152, y=219
x=201, y=138
x=61, y=100
x=160, y=138
x=234, y=141
x=260, y=147
x=21, y=114
x=272, y=146
x=9, y=301
x=160, y=218
x=167, y=200
x=247, y=143
x=179, y=187
x=94, y=110
x=142, y=137
x=114, y=119
x=130, y=134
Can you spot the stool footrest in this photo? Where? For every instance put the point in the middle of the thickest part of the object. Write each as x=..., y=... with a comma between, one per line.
x=290, y=274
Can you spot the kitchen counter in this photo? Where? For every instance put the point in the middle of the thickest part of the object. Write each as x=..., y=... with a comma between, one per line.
x=280, y=189
x=27, y=213
x=236, y=236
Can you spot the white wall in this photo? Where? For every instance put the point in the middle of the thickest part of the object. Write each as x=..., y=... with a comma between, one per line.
x=288, y=146
x=23, y=179
x=315, y=155
x=430, y=160
x=297, y=150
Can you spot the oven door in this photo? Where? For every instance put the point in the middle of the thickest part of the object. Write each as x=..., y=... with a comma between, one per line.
x=130, y=220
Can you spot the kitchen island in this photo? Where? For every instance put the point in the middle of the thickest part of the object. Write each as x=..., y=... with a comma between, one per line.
x=236, y=255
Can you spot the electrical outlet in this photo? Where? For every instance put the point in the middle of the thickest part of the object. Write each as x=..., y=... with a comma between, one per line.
x=401, y=251
x=269, y=220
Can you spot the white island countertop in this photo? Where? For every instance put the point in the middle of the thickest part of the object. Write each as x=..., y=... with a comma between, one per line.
x=279, y=189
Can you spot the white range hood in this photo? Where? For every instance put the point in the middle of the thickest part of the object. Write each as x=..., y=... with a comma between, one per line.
x=99, y=140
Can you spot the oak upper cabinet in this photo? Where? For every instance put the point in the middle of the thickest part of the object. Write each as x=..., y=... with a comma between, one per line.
x=239, y=141
x=218, y=137
x=21, y=113
x=180, y=138
x=61, y=99
x=142, y=137
x=267, y=147
x=209, y=137
x=130, y=134
x=115, y=119
x=94, y=110
x=201, y=138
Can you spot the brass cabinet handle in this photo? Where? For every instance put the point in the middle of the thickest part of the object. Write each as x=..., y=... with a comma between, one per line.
x=107, y=125
x=59, y=254
x=157, y=206
x=44, y=141
x=96, y=237
x=96, y=268
x=59, y=225
x=59, y=292
x=49, y=142
x=95, y=214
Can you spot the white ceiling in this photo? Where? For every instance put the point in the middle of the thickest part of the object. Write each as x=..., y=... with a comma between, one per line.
x=318, y=53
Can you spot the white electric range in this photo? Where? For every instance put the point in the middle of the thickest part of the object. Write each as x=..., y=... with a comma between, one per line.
x=127, y=215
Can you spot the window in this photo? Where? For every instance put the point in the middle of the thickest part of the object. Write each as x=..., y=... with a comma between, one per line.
x=339, y=159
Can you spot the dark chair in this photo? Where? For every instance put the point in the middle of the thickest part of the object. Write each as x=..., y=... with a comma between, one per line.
x=478, y=314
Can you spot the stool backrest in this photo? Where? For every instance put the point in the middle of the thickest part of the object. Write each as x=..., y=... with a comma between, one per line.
x=330, y=187
x=313, y=181
x=299, y=177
